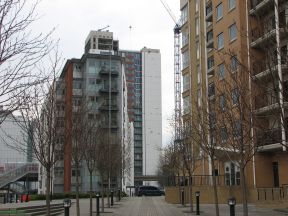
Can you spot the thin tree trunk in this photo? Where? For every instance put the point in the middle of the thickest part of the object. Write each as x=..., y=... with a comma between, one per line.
x=244, y=190
x=102, y=199
x=109, y=189
x=215, y=189
x=77, y=192
x=190, y=192
x=48, y=179
x=90, y=193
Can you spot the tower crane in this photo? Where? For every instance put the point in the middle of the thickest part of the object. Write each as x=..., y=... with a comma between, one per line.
x=177, y=73
x=103, y=28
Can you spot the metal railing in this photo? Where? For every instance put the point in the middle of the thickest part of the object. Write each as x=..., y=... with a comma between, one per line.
x=195, y=180
x=19, y=171
x=269, y=137
x=272, y=193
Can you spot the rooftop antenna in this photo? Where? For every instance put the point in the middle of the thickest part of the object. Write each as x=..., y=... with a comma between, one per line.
x=103, y=28
x=130, y=36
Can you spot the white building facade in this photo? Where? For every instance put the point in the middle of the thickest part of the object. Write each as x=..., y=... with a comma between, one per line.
x=152, y=111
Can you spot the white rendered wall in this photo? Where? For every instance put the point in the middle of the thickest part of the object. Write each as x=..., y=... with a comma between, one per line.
x=11, y=134
x=152, y=112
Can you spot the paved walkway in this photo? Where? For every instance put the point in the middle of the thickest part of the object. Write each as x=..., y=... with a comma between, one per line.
x=153, y=206
x=156, y=206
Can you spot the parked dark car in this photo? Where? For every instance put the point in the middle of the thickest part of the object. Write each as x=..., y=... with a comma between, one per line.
x=150, y=191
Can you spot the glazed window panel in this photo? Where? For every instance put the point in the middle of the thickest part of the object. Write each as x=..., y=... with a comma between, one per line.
x=233, y=32
x=219, y=11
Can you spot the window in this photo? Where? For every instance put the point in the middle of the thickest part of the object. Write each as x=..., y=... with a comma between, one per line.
x=220, y=41
x=231, y=4
x=186, y=82
x=210, y=63
x=219, y=11
x=222, y=102
x=77, y=84
x=185, y=58
x=184, y=14
x=224, y=135
x=197, y=26
x=186, y=103
x=209, y=36
x=211, y=90
x=209, y=9
x=212, y=120
x=232, y=32
x=235, y=96
x=74, y=173
x=221, y=70
x=232, y=173
x=234, y=63
x=184, y=39
x=198, y=74
x=237, y=129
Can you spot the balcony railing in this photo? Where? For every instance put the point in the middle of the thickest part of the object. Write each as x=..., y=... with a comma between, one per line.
x=267, y=99
x=106, y=89
x=211, y=91
x=259, y=6
x=209, y=13
x=269, y=137
x=262, y=34
x=268, y=66
x=105, y=71
x=105, y=106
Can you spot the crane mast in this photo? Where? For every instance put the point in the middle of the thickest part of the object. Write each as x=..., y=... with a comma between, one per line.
x=177, y=75
x=177, y=84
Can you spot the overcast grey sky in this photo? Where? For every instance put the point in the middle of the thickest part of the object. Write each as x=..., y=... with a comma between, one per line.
x=151, y=27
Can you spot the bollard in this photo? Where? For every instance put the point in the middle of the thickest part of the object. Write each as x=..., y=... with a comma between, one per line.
x=197, y=194
x=112, y=203
x=119, y=194
x=97, y=204
x=66, y=205
x=182, y=196
x=232, y=203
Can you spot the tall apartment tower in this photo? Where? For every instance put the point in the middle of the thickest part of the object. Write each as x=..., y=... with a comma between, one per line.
x=98, y=79
x=131, y=105
x=143, y=77
x=229, y=46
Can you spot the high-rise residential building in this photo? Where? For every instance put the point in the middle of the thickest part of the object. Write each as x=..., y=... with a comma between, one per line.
x=98, y=80
x=143, y=77
x=123, y=92
x=235, y=52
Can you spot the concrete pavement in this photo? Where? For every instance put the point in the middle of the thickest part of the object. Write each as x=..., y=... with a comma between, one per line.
x=153, y=206
x=156, y=206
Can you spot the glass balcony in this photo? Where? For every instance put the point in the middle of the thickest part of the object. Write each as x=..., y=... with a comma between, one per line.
x=260, y=6
x=269, y=102
x=209, y=13
x=266, y=69
x=269, y=139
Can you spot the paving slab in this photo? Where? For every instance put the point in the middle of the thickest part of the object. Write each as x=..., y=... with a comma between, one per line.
x=154, y=206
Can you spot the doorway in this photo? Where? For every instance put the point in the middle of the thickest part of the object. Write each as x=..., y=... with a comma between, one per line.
x=275, y=174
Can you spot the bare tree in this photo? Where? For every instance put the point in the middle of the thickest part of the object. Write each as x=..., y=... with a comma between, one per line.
x=39, y=122
x=168, y=165
x=21, y=52
x=79, y=135
x=203, y=129
x=94, y=134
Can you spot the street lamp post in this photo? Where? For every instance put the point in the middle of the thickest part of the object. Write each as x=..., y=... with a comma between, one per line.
x=197, y=194
x=232, y=203
x=66, y=205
